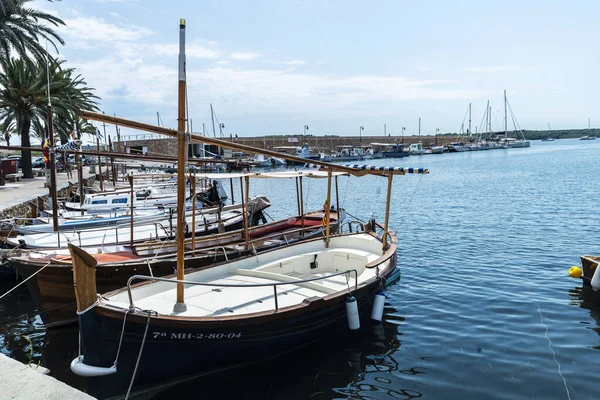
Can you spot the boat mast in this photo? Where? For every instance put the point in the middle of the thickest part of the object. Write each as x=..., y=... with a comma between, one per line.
x=505, y=116
x=419, y=126
x=469, y=119
x=212, y=116
x=52, y=158
x=488, y=126
x=181, y=160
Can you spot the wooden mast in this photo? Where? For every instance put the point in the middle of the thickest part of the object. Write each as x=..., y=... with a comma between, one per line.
x=387, y=210
x=301, y=211
x=193, y=192
x=181, y=160
x=217, y=142
x=328, y=207
x=113, y=173
x=52, y=161
x=99, y=162
x=130, y=179
x=246, y=216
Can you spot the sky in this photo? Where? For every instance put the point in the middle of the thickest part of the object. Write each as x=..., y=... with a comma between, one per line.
x=272, y=67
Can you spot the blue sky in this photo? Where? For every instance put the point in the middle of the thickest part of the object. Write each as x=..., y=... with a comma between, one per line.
x=271, y=67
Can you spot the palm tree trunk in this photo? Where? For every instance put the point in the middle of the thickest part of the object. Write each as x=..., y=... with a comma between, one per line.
x=25, y=142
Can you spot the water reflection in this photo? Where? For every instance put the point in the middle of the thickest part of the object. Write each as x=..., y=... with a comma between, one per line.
x=357, y=365
x=586, y=297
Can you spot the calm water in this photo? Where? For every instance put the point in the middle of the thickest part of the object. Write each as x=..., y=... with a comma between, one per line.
x=484, y=309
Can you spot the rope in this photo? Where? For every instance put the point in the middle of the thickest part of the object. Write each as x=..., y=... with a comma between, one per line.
x=25, y=280
x=345, y=192
x=553, y=353
x=3, y=323
x=139, y=354
x=412, y=197
x=355, y=217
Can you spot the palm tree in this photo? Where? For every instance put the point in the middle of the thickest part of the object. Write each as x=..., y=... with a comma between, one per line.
x=24, y=99
x=22, y=28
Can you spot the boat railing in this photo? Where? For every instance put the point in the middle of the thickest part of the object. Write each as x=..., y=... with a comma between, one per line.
x=356, y=222
x=389, y=252
x=236, y=285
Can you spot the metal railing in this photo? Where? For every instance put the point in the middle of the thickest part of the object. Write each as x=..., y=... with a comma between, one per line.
x=232, y=285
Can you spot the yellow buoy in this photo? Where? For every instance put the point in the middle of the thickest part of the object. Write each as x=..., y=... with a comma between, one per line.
x=575, y=272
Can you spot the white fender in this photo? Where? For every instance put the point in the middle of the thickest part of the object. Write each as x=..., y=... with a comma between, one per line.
x=378, y=303
x=80, y=368
x=352, y=313
x=596, y=279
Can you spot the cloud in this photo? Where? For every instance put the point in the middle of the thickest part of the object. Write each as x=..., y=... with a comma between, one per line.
x=96, y=29
x=193, y=50
x=294, y=62
x=244, y=56
x=502, y=68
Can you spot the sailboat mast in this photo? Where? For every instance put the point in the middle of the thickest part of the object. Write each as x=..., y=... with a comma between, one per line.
x=469, y=119
x=212, y=116
x=181, y=160
x=487, y=117
x=505, y=115
x=419, y=126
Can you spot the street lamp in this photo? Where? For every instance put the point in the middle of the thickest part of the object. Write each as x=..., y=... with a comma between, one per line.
x=402, y=138
x=362, y=128
x=436, y=133
x=305, y=129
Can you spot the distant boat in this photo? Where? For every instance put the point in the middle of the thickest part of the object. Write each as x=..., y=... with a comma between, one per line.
x=392, y=150
x=415, y=149
x=588, y=138
x=548, y=139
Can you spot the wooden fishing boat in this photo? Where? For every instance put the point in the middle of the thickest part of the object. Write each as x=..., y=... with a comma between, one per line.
x=237, y=312
x=89, y=222
x=49, y=276
x=208, y=221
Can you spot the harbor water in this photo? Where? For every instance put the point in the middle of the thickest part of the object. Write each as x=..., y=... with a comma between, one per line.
x=484, y=307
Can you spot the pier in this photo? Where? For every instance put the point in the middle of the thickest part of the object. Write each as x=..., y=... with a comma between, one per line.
x=20, y=381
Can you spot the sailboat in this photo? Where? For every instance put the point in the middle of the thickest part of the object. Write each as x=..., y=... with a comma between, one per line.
x=238, y=312
x=548, y=138
x=513, y=143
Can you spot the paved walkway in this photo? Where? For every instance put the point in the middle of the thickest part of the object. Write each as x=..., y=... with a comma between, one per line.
x=14, y=193
x=20, y=381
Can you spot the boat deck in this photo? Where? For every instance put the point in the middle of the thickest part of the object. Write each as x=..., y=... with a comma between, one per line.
x=216, y=301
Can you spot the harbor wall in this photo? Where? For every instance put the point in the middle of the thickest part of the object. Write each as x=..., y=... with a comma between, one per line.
x=168, y=146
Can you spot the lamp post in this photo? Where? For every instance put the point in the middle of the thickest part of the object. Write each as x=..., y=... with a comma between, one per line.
x=362, y=128
x=305, y=129
x=402, y=138
x=436, y=133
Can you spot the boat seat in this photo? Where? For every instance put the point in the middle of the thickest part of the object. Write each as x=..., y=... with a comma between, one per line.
x=284, y=278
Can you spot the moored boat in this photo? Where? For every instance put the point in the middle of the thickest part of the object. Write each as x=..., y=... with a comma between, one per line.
x=238, y=312
x=52, y=283
x=588, y=272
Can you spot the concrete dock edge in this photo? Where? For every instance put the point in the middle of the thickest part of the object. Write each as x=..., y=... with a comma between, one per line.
x=20, y=381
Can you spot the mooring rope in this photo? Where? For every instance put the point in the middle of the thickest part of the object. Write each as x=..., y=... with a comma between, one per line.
x=412, y=197
x=139, y=354
x=22, y=316
x=25, y=280
x=553, y=353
